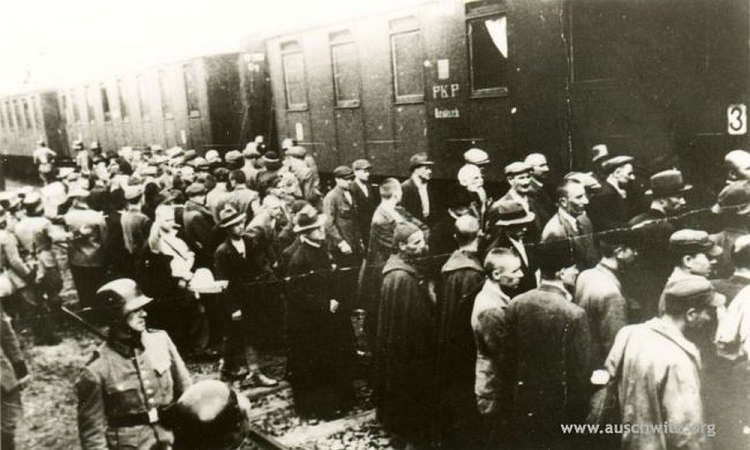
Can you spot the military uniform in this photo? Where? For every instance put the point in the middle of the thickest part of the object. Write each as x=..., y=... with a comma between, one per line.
x=122, y=390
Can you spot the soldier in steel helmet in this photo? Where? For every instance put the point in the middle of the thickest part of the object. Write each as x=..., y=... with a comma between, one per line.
x=131, y=379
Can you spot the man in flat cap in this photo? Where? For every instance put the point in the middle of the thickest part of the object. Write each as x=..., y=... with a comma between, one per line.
x=733, y=209
x=547, y=354
x=610, y=208
x=86, y=247
x=125, y=387
x=518, y=175
x=366, y=196
x=461, y=277
x=406, y=367
x=660, y=356
x=234, y=160
x=418, y=197
x=571, y=223
x=342, y=226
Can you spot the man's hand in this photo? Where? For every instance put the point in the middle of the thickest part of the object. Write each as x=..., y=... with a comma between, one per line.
x=237, y=315
x=345, y=248
x=334, y=306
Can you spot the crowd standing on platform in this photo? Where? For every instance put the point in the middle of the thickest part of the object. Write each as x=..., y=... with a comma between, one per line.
x=493, y=317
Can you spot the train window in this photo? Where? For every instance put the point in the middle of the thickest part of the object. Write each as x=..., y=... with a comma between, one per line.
x=166, y=106
x=408, y=72
x=293, y=62
x=64, y=112
x=90, y=104
x=345, y=70
x=4, y=116
x=488, y=53
x=16, y=114
x=124, y=112
x=105, y=103
x=143, y=104
x=191, y=91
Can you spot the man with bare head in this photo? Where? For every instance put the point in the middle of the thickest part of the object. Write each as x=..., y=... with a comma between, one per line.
x=737, y=164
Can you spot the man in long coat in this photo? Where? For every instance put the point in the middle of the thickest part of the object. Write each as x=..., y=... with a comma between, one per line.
x=406, y=342
x=321, y=346
x=659, y=357
x=461, y=278
x=547, y=354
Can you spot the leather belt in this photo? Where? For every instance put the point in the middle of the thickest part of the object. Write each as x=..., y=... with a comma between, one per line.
x=131, y=420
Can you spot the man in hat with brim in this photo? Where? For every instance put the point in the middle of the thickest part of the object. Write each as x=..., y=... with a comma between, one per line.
x=660, y=356
x=321, y=346
x=610, y=208
x=733, y=209
x=418, y=196
x=365, y=196
x=86, y=247
x=571, y=223
x=269, y=176
x=599, y=153
x=235, y=261
x=405, y=367
x=737, y=164
x=124, y=389
x=509, y=231
x=546, y=357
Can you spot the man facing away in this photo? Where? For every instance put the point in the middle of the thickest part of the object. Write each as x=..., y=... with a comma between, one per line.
x=659, y=356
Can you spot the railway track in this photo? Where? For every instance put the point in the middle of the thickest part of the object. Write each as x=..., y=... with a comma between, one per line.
x=275, y=425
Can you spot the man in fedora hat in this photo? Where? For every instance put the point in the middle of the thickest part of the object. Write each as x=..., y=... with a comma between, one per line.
x=405, y=390
x=125, y=387
x=509, y=231
x=733, y=208
x=321, y=346
x=656, y=226
x=571, y=223
x=236, y=261
x=418, y=197
x=611, y=207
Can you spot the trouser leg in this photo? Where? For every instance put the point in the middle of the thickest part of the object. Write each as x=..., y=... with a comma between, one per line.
x=37, y=315
x=11, y=412
x=234, y=348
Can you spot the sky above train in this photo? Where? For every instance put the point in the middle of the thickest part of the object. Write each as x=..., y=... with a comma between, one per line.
x=46, y=43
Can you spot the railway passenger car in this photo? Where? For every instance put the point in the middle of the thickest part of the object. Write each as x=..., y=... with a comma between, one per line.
x=663, y=80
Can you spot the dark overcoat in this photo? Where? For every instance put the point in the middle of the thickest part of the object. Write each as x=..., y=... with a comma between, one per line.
x=366, y=205
x=547, y=354
x=405, y=352
x=608, y=209
x=321, y=343
x=412, y=202
x=461, y=279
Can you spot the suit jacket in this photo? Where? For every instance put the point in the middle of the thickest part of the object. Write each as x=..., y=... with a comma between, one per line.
x=342, y=219
x=584, y=250
x=599, y=292
x=547, y=354
x=535, y=229
x=262, y=230
x=412, y=202
x=231, y=266
x=608, y=210
x=365, y=207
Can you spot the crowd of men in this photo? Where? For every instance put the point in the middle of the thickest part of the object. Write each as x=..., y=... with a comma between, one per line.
x=493, y=318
